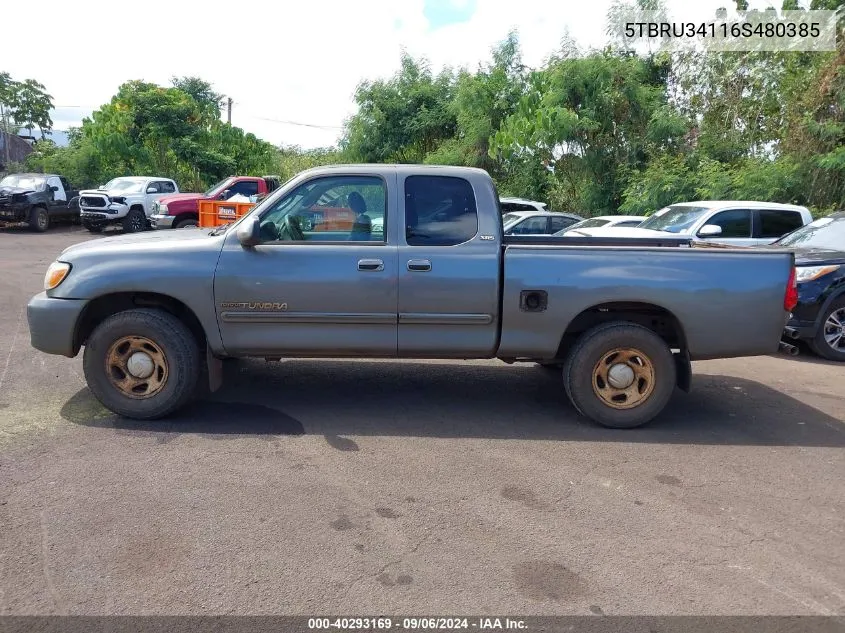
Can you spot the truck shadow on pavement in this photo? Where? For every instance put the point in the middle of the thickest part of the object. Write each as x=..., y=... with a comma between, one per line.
x=337, y=398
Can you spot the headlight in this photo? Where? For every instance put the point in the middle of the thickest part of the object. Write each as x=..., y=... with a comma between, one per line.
x=56, y=274
x=809, y=273
x=161, y=208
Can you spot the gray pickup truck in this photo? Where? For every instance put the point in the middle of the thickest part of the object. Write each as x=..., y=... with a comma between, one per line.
x=404, y=261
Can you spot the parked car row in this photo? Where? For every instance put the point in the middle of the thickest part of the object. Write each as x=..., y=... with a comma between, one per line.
x=140, y=203
x=734, y=222
x=135, y=203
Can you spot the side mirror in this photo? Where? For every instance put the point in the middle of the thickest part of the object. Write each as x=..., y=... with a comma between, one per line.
x=249, y=232
x=152, y=190
x=224, y=195
x=710, y=230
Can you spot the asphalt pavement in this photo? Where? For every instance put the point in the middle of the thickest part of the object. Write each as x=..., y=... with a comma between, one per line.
x=388, y=487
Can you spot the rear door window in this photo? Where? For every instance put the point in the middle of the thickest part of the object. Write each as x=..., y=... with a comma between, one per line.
x=439, y=211
x=775, y=223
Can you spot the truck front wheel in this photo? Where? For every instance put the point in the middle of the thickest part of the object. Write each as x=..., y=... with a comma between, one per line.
x=142, y=364
x=620, y=375
x=39, y=219
x=185, y=222
x=135, y=221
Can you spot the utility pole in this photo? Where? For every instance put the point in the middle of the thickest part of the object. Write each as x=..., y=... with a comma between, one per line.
x=7, y=139
x=229, y=110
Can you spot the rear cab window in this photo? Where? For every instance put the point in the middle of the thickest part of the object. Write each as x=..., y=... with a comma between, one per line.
x=776, y=223
x=439, y=211
x=559, y=222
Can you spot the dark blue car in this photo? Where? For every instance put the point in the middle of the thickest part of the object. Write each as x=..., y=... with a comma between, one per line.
x=819, y=317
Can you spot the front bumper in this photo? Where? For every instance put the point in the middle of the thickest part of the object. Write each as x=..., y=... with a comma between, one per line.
x=100, y=215
x=52, y=323
x=162, y=221
x=97, y=218
x=14, y=212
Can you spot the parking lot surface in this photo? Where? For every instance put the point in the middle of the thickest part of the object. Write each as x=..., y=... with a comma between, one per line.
x=368, y=487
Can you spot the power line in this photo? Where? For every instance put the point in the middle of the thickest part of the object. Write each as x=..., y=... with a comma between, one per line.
x=259, y=118
x=285, y=122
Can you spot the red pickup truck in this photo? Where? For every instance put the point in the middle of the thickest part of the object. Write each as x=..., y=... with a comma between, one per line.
x=182, y=209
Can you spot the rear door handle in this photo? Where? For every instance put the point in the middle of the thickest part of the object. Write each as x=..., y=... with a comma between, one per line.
x=370, y=265
x=419, y=265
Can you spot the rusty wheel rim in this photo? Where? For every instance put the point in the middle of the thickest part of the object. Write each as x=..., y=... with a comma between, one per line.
x=623, y=378
x=136, y=366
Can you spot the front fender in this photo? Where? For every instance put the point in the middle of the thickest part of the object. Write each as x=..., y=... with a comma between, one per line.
x=186, y=275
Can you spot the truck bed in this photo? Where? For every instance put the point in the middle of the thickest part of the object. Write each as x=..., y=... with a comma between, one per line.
x=544, y=240
x=576, y=276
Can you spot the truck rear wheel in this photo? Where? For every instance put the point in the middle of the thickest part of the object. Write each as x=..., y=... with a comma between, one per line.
x=142, y=364
x=620, y=375
x=39, y=219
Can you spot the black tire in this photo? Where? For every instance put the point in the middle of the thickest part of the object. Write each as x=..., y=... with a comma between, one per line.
x=819, y=344
x=579, y=374
x=175, y=343
x=93, y=228
x=181, y=224
x=135, y=221
x=39, y=219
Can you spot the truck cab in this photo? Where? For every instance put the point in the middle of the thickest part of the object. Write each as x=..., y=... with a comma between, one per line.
x=182, y=210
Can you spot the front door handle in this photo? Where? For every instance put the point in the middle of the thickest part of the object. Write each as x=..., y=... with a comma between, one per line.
x=419, y=265
x=371, y=265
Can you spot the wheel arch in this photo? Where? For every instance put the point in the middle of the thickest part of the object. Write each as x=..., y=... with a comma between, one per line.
x=836, y=295
x=656, y=318
x=108, y=304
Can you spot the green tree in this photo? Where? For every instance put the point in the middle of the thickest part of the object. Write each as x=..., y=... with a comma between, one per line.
x=203, y=93
x=32, y=106
x=589, y=121
x=401, y=119
x=8, y=101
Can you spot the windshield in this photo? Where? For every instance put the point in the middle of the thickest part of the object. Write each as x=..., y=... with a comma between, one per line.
x=124, y=185
x=588, y=223
x=24, y=181
x=823, y=234
x=510, y=218
x=674, y=219
x=216, y=188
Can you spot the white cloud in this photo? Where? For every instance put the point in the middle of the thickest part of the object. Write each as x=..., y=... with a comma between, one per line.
x=297, y=62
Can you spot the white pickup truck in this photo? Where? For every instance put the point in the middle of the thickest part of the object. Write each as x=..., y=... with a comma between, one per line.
x=125, y=200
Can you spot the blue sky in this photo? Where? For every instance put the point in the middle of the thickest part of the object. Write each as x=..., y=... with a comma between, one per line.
x=441, y=13
x=293, y=76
